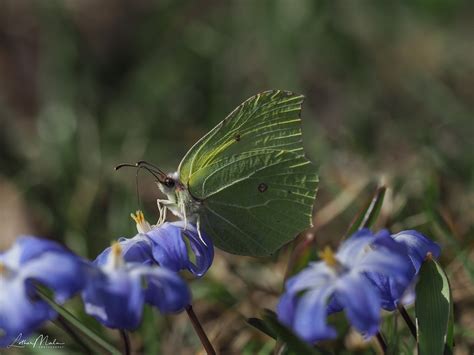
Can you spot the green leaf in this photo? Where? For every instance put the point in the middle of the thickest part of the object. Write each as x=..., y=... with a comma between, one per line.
x=448, y=349
x=433, y=308
x=369, y=213
x=262, y=326
x=75, y=322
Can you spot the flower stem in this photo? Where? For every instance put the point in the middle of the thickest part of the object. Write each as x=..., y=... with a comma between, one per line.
x=126, y=342
x=200, y=331
x=408, y=320
x=68, y=329
x=382, y=342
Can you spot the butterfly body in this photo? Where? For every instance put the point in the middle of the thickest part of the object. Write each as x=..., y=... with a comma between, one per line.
x=247, y=183
x=179, y=201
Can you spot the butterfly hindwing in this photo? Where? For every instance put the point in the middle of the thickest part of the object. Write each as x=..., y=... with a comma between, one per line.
x=250, y=171
x=272, y=208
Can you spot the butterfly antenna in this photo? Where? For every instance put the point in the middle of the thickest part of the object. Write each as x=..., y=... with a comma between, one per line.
x=151, y=166
x=127, y=165
x=138, y=189
x=120, y=166
x=158, y=174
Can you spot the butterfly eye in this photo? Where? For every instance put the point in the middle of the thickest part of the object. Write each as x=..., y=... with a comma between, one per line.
x=169, y=182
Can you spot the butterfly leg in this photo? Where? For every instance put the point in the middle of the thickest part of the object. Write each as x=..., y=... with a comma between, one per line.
x=185, y=219
x=165, y=210
x=170, y=206
x=198, y=226
x=183, y=214
x=162, y=210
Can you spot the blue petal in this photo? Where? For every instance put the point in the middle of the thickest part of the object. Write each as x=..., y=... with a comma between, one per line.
x=62, y=272
x=203, y=252
x=388, y=258
x=310, y=316
x=418, y=246
x=134, y=250
x=390, y=291
x=383, y=233
x=115, y=298
x=334, y=305
x=391, y=277
x=27, y=248
x=19, y=315
x=352, y=249
x=170, y=250
x=361, y=302
x=383, y=239
x=315, y=275
x=165, y=290
x=286, y=308
x=409, y=295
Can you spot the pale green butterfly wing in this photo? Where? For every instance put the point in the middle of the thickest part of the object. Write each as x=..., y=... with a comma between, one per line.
x=263, y=120
x=250, y=171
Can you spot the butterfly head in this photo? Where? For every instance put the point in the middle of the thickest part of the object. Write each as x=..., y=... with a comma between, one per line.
x=169, y=184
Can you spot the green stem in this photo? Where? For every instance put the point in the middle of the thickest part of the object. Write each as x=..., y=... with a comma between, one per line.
x=126, y=342
x=68, y=316
x=200, y=331
x=408, y=320
x=381, y=342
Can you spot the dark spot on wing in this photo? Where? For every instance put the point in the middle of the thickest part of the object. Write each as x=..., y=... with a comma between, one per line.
x=237, y=137
x=262, y=187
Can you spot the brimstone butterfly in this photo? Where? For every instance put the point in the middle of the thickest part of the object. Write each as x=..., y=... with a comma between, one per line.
x=247, y=183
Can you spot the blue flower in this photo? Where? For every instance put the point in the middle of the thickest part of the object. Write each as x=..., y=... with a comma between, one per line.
x=339, y=282
x=32, y=260
x=175, y=246
x=170, y=243
x=116, y=294
x=416, y=246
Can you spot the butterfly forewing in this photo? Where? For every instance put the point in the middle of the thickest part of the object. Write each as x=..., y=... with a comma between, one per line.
x=250, y=171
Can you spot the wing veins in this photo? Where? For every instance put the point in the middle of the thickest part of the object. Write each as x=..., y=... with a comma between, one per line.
x=237, y=228
x=238, y=180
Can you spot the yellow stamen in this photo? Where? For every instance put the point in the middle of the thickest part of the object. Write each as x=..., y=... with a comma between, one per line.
x=115, y=259
x=3, y=269
x=116, y=249
x=142, y=225
x=138, y=217
x=327, y=255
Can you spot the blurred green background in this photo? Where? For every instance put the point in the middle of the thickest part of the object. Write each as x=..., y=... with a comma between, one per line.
x=88, y=84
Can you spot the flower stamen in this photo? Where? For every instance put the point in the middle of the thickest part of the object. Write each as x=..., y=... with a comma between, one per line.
x=116, y=257
x=142, y=224
x=327, y=255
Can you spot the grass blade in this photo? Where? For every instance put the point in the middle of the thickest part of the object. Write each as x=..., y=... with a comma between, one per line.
x=262, y=326
x=369, y=213
x=68, y=316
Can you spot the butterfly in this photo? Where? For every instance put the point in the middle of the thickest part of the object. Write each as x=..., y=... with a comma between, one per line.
x=247, y=183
